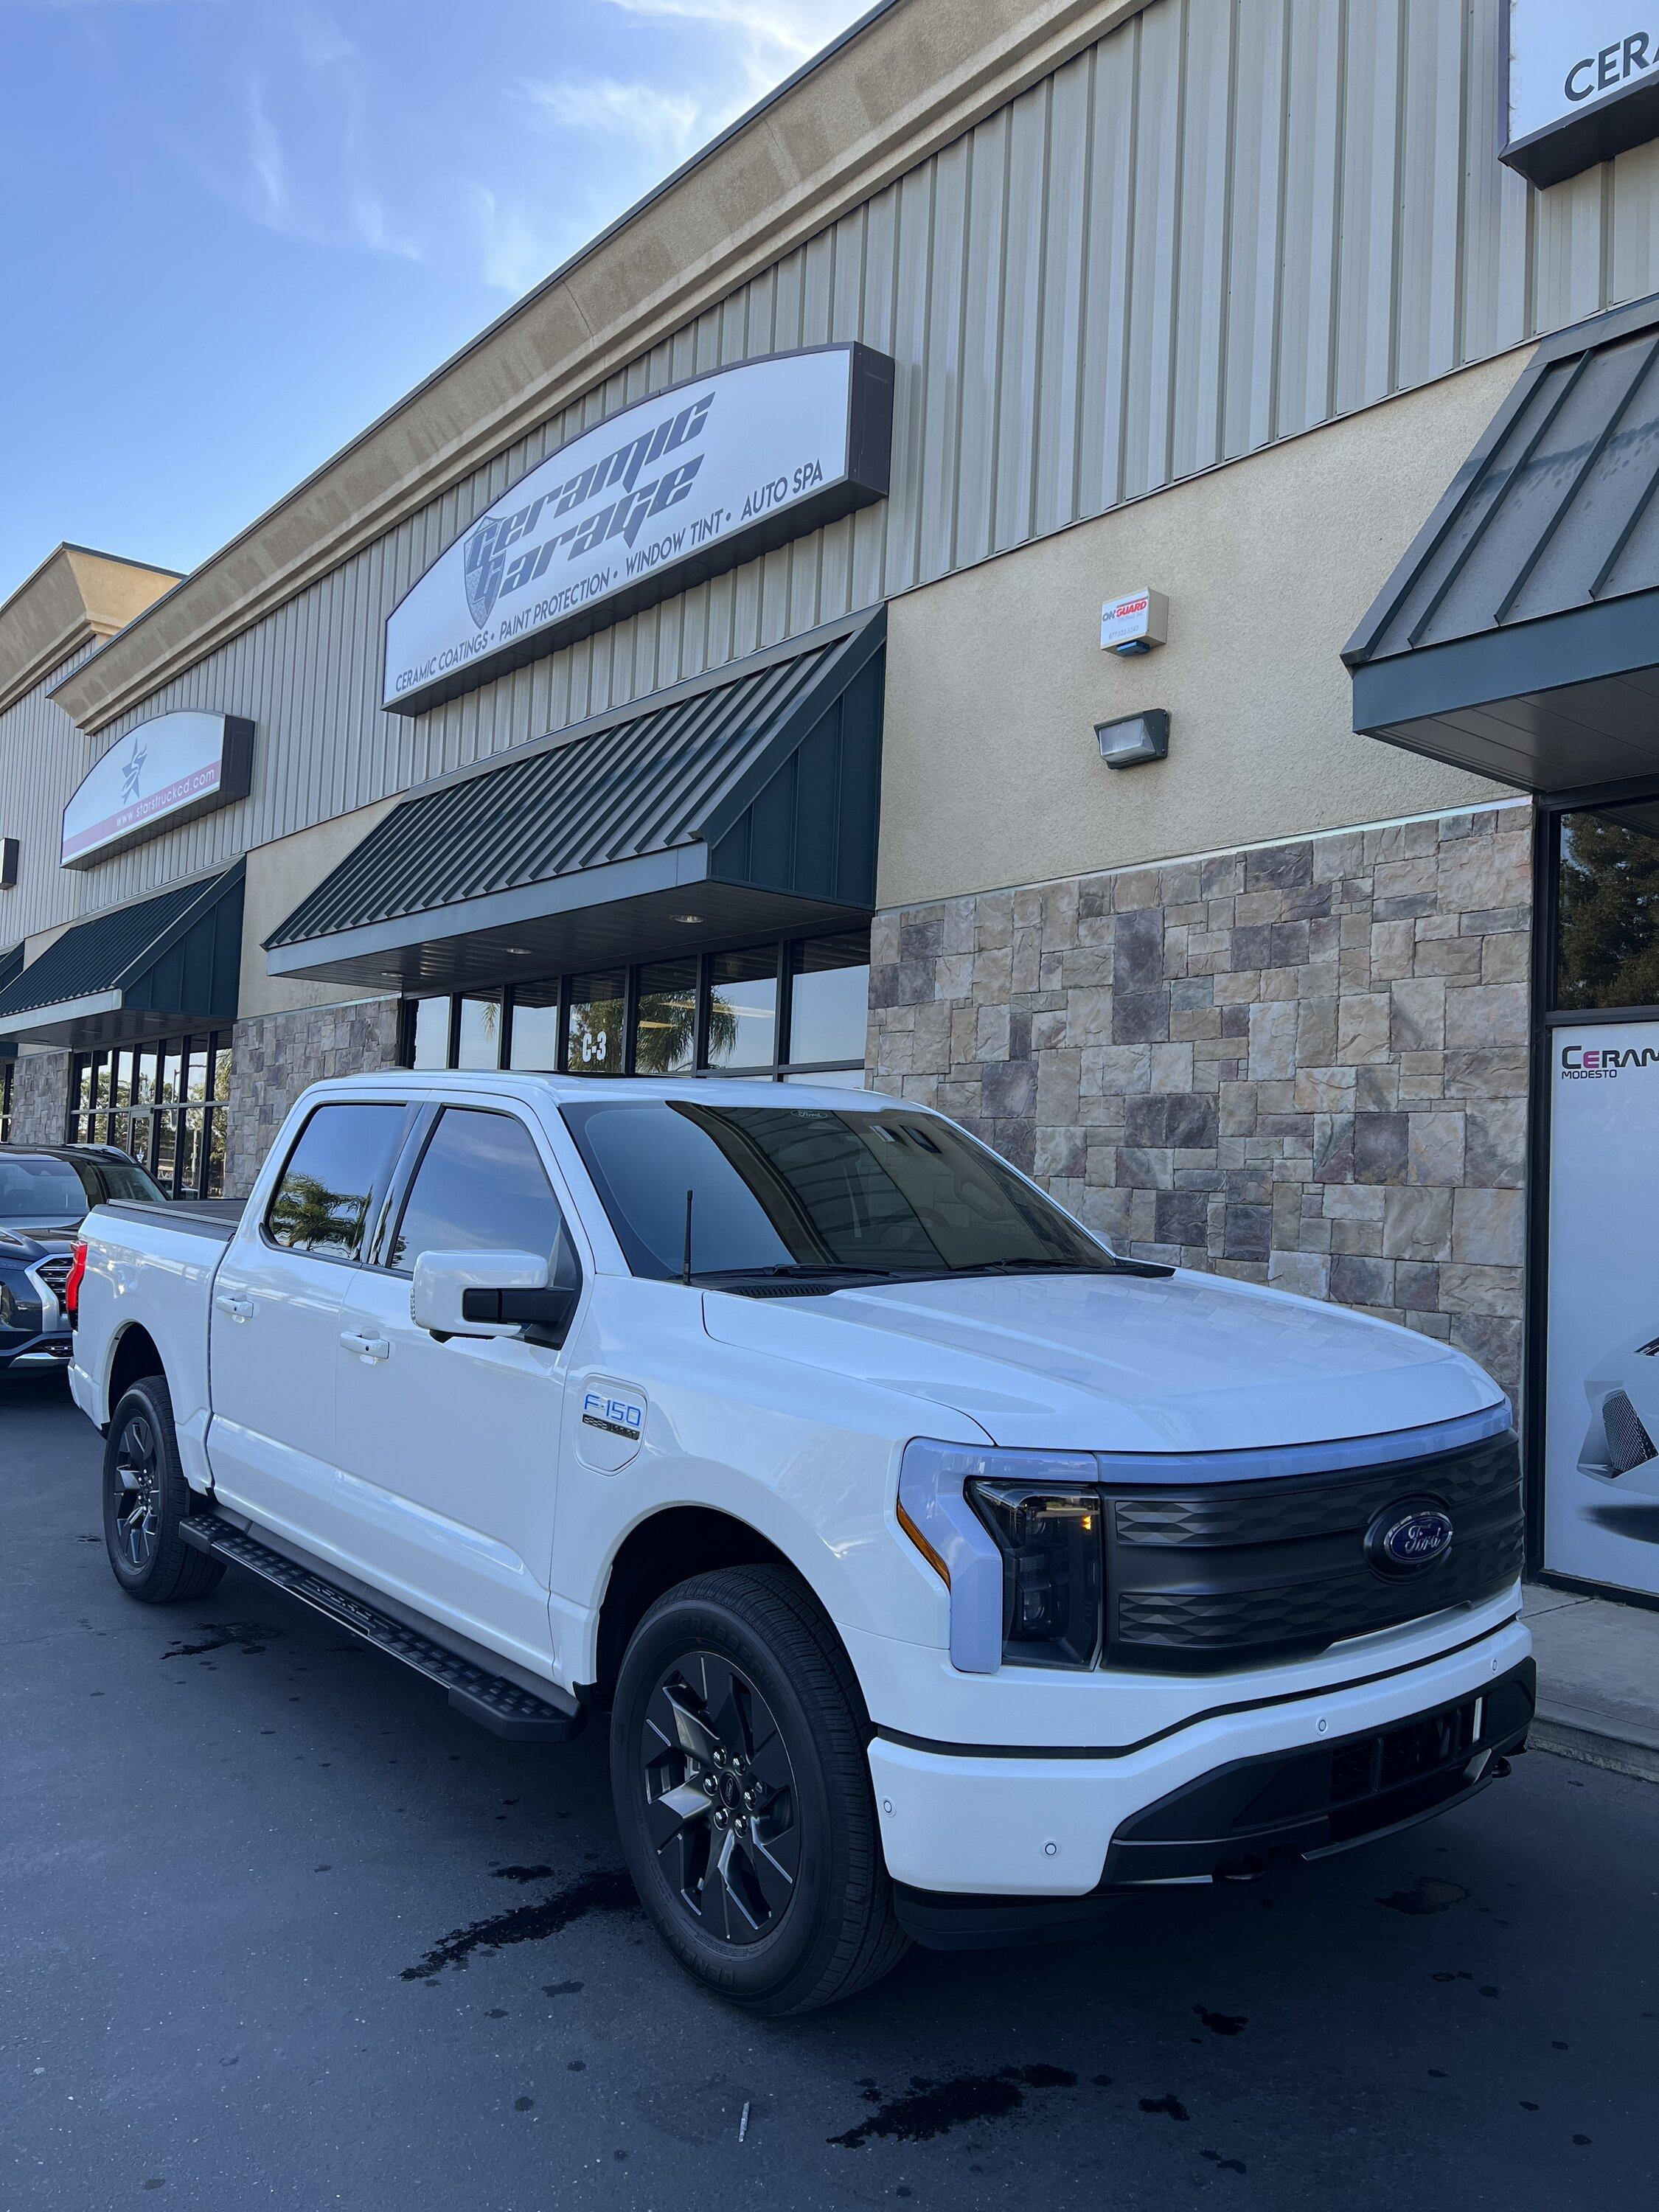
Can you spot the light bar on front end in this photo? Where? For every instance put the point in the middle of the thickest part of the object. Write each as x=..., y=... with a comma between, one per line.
x=1015, y=1535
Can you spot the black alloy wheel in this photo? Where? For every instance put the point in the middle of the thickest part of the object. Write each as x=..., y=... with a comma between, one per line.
x=136, y=1503
x=740, y=1774
x=720, y=1798
x=146, y=1499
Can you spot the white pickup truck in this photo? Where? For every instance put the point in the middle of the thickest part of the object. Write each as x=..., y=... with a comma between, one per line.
x=941, y=1573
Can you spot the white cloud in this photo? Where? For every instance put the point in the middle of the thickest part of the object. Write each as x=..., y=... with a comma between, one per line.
x=661, y=118
x=513, y=252
x=264, y=151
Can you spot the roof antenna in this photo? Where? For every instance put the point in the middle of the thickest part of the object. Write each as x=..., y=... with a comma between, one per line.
x=685, y=1272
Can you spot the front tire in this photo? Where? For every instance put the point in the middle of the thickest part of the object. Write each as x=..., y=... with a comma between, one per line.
x=742, y=1794
x=145, y=1499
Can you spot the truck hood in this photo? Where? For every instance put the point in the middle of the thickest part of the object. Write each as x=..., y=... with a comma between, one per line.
x=1104, y=1362
x=39, y=1237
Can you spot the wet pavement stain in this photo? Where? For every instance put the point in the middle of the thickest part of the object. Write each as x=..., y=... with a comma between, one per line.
x=1225, y=2164
x=250, y=1638
x=1223, y=2023
x=1430, y=1892
x=928, y=2108
x=523, y=1873
x=1170, y=2104
x=609, y=1892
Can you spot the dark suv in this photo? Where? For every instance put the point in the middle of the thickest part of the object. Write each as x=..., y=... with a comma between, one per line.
x=46, y=1193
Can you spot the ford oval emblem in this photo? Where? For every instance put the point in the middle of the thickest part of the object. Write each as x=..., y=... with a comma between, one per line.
x=1405, y=1538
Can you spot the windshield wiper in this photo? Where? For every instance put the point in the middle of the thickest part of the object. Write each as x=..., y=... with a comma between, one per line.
x=1106, y=1265
x=793, y=1271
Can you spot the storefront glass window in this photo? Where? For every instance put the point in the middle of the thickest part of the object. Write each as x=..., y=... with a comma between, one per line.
x=717, y=1013
x=536, y=1027
x=596, y=1004
x=1608, y=909
x=165, y=1105
x=665, y=1038
x=743, y=1008
x=479, y=1039
x=829, y=998
x=430, y=1033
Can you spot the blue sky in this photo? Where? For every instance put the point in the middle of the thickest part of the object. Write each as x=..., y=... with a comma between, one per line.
x=233, y=231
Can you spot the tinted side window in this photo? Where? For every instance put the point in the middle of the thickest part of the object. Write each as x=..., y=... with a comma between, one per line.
x=480, y=1188
x=322, y=1202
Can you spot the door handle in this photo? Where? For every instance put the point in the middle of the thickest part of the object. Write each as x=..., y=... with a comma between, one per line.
x=370, y=1347
x=238, y=1309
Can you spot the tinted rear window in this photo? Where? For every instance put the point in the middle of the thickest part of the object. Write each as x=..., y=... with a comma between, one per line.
x=340, y=1160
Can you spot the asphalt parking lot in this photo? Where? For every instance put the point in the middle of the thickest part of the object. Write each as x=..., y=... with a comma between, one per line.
x=278, y=1929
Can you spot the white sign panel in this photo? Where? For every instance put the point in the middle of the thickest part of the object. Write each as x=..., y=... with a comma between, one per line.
x=1582, y=79
x=1135, y=623
x=162, y=774
x=1602, y=1423
x=677, y=488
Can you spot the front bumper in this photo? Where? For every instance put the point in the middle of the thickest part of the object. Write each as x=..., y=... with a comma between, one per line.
x=26, y=1351
x=1222, y=1796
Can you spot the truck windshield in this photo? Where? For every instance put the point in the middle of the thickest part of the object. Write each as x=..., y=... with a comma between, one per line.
x=783, y=1191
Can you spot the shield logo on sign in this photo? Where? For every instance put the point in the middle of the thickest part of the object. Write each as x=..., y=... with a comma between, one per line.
x=483, y=567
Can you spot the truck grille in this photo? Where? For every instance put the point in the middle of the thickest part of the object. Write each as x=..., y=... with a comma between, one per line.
x=1237, y=1573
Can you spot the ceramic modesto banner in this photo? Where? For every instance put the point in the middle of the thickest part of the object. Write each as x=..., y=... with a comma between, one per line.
x=163, y=773
x=1582, y=80
x=1601, y=1418
x=679, y=488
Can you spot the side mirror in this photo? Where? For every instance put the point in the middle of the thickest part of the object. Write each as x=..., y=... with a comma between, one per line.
x=492, y=1294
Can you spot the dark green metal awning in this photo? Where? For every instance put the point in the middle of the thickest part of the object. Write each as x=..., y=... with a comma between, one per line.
x=1520, y=635
x=148, y=970
x=11, y=965
x=746, y=802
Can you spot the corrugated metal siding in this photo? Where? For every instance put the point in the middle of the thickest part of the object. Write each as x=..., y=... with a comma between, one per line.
x=42, y=756
x=1229, y=222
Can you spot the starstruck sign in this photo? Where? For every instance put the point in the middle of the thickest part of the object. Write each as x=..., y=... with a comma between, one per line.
x=681, y=487
x=163, y=773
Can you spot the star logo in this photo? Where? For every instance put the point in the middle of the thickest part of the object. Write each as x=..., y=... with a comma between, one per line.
x=131, y=769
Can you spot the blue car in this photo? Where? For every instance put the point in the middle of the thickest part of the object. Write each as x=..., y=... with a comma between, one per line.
x=46, y=1193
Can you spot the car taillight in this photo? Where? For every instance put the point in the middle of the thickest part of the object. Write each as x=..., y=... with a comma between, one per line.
x=73, y=1280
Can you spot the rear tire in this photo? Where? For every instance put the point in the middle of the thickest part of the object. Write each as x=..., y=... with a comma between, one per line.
x=742, y=1794
x=145, y=1499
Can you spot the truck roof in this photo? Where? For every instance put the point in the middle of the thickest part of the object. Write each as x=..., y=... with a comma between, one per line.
x=726, y=1090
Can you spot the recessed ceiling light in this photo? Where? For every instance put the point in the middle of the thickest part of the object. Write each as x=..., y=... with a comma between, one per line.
x=519, y=952
x=685, y=917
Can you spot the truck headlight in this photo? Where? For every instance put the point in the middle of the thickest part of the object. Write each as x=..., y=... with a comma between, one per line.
x=1016, y=1537
x=1051, y=1579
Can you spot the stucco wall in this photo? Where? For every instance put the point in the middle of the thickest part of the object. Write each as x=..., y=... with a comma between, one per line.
x=996, y=679
x=279, y=876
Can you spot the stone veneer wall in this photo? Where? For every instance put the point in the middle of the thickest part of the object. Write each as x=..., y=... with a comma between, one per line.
x=1305, y=1065
x=275, y=1056
x=39, y=1098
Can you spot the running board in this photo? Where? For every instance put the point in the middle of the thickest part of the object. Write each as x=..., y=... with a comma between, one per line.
x=494, y=1702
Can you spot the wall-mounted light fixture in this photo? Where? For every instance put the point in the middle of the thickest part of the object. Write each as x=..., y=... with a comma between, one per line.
x=1137, y=737
x=8, y=849
x=1134, y=623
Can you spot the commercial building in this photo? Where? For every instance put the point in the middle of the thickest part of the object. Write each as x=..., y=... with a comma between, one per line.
x=706, y=668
